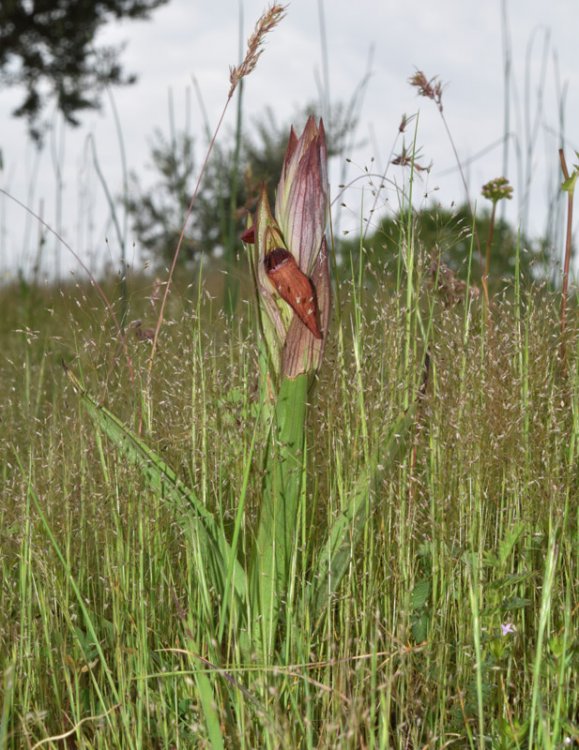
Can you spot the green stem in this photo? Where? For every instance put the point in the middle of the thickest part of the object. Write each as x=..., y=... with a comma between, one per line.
x=276, y=534
x=490, y=241
x=568, y=249
x=232, y=226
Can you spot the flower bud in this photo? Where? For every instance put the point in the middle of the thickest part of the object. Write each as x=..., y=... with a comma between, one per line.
x=291, y=258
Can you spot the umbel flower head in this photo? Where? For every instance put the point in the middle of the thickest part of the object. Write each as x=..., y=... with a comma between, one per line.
x=291, y=257
x=497, y=190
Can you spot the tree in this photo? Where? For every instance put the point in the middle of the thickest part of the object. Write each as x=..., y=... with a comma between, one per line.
x=47, y=46
x=159, y=212
x=447, y=236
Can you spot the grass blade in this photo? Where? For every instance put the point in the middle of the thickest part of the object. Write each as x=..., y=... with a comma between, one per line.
x=275, y=541
x=335, y=555
x=163, y=480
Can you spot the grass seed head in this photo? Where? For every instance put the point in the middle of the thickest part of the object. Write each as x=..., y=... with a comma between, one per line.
x=267, y=22
x=431, y=89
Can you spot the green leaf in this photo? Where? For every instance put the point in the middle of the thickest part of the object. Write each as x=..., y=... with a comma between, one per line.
x=569, y=185
x=515, y=602
x=208, y=704
x=507, y=544
x=513, y=579
x=420, y=594
x=271, y=562
x=420, y=628
x=163, y=480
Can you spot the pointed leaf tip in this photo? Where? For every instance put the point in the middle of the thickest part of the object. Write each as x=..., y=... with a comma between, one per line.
x=248, y=237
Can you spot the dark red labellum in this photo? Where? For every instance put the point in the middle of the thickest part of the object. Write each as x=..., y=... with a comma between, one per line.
x=294, y=287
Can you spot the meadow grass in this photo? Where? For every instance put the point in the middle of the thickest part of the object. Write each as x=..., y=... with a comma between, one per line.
x=454, y=624
x=429, y=585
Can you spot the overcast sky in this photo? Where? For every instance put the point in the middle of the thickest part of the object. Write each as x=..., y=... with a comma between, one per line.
x=461, y=41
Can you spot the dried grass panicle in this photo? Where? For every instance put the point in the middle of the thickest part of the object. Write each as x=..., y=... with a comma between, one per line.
x=404, y=122
x=267, y=22
x=408, y=159
x=431, y=89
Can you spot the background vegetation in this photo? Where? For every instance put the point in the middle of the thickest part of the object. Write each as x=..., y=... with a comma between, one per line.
x=454, y=625
x=454, y=620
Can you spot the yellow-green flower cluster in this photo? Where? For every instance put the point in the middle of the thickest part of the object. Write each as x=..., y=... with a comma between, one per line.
x=498, y=189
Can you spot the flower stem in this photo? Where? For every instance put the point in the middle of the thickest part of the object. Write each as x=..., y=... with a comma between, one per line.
x=567, y=262
x=276, y=533
x=490, y=241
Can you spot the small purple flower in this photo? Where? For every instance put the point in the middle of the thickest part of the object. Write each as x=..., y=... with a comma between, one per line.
x=507, y=629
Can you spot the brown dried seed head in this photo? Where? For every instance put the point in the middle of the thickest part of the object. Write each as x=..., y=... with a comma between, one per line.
x=266, y=23
x=294, y=287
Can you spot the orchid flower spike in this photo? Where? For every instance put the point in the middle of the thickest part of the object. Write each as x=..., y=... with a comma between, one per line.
x=291, y=257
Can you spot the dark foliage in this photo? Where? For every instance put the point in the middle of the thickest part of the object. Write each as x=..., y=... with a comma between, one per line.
x=447, y=234
x=47, y=47
x=158, y=214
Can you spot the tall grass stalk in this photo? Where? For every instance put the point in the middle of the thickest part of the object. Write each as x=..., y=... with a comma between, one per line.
x=232, y=283
x=569, y=188
x=539, y=725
